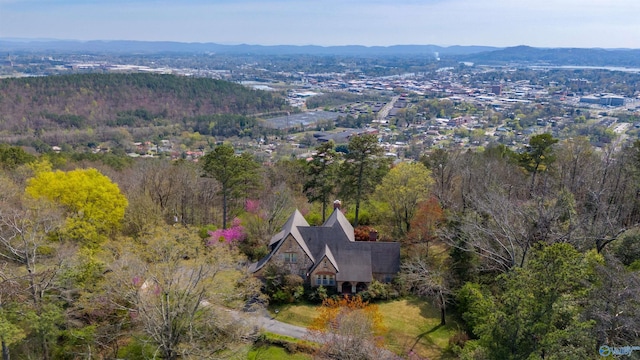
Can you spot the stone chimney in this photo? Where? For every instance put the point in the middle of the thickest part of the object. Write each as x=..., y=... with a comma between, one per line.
x=337, y=204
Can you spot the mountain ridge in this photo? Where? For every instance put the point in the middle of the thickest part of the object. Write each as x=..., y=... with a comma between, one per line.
x=483, y=55
x=199, y=47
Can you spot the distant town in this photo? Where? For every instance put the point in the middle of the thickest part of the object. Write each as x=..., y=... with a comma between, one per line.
x=414, y=103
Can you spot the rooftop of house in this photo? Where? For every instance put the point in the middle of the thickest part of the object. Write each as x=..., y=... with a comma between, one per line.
x=354, y=261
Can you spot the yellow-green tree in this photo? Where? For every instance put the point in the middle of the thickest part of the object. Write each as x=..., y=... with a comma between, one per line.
x=403, y=188
x=94, y=204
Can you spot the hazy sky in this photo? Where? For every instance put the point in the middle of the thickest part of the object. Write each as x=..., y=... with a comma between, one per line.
x=541, y=23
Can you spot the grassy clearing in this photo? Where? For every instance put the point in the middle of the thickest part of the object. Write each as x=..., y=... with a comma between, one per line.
x=275, y=338
x=412, y=324
x=275, y=353
x=294, y=314
x=275, y=346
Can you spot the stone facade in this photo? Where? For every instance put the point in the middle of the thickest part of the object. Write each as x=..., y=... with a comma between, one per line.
x=329, y=254
x=325, y=272
x=291, y=255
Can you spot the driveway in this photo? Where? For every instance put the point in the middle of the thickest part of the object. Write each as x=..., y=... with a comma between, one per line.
x=264, y=320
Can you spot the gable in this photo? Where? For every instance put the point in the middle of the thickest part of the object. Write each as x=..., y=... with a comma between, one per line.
x=335, y=243
x=337, y=219
x=327, y=261
x=324, y=266
x=290, y=245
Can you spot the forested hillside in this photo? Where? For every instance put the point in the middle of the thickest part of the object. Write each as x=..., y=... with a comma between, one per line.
x=137, y=100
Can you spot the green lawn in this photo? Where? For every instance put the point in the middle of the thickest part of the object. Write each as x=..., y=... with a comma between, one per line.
x=275, y=348
x=295, y=314
x=412, y=324
x=275, y=353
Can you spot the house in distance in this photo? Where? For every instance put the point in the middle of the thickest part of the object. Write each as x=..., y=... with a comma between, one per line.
x=328, y=255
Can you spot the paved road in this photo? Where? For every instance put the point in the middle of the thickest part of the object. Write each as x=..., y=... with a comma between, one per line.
x=382, y=114
x=265, y=321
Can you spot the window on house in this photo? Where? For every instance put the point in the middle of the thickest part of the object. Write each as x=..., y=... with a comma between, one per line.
x=329, y=280
x=290, y=257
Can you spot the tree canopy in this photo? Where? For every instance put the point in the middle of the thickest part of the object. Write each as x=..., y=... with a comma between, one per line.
x=322, y=175
x=94, y=204
x=363, y=168
x=403, y=188
x=236, y=174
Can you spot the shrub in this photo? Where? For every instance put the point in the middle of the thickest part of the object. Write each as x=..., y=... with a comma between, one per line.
x=282, y=287
x=457, y=342
x=317, y=295
x=314, y=218
x=363, y=233
x=380, y=291
x=628, y=249
x=291, y=345
x=137, y=349
x=203, y=232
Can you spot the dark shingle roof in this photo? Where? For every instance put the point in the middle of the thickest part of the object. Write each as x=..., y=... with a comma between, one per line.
x=385, y=257
x=338, y=218
x=355, y=261
x=291, y=227
x=329, y=255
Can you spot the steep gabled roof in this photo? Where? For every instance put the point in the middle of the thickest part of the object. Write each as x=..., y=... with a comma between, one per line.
x=354, y=261
x=338, y=218
x=352, y=258
x=332, y=259
x=326, y=253
x=277, y=237
x=289, y=228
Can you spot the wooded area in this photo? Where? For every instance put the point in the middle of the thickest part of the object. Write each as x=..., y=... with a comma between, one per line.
x=536, y=252
x=38, y=104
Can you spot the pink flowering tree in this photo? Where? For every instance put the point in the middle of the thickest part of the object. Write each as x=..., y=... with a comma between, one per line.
x=230, y=235
x=252, y=206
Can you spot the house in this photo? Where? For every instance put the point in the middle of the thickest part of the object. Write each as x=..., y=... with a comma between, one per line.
x=328, y=255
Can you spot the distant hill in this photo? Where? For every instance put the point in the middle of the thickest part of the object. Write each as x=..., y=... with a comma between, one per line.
x=557, y=56
x=476, y=54
x=134, y=100
x=149, y=47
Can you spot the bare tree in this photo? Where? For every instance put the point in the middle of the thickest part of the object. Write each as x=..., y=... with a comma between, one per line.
x=607, y=200
x=24, y=229
x=173, y=290
x=615, y=305
x=428, y=278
